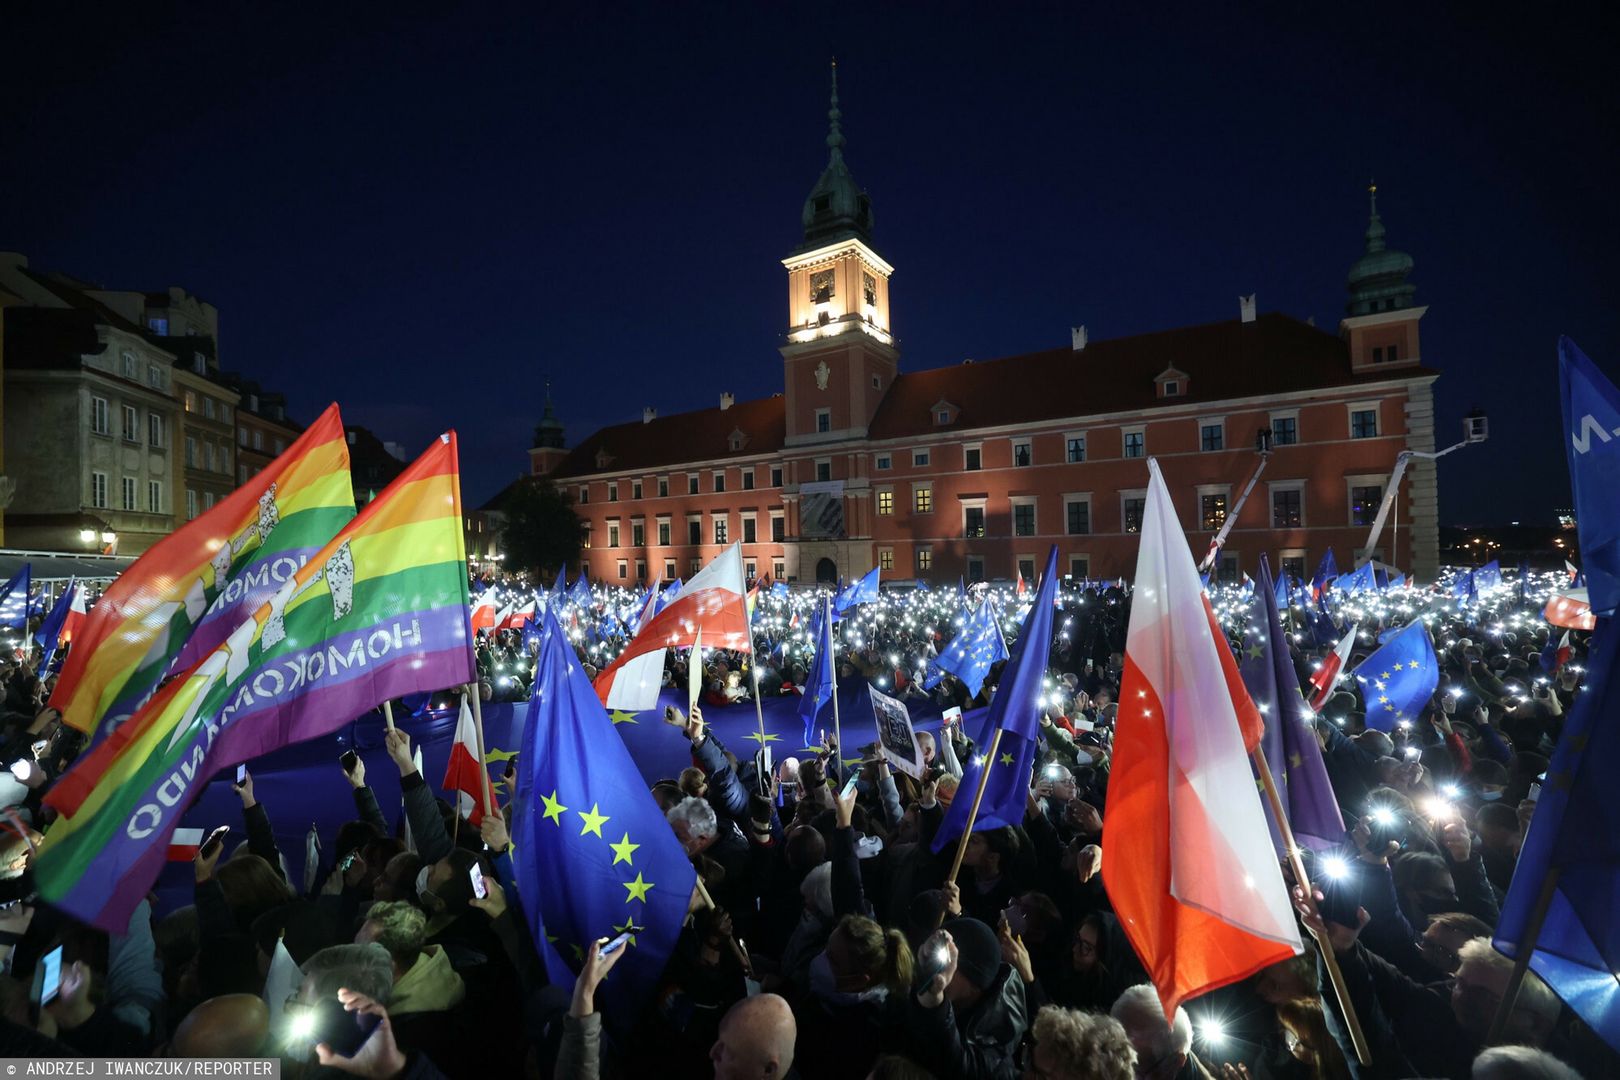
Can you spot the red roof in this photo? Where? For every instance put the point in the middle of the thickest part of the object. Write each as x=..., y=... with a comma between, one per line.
x=674, y=440
x=1274, y=354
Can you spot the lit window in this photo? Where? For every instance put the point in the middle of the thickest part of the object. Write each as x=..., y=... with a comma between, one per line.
x=720, y=530
x=885, y=558
x=1364, y=504
x=1133, y=509
x=925, y=559
x=922, y=500
x=885, y=503
x=1212, y=511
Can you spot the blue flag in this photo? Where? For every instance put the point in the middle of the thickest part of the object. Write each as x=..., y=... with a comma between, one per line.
x=862, y=591
x=780, y=590
x=1398, y=680
x=1361, y=579
x=1463, y=588
x=1397, y=582
x=970, y=655
x=818, y=691
x=594, y=856
x=1282, y=590
x=14, y=599
x=1591, y=418
x=559, y=587
x=1326, y=571
x=1573, y=850
x=1292, y=752
x=1016, y=713
x=1488, y=576
x=580, y=594
x=50, y=631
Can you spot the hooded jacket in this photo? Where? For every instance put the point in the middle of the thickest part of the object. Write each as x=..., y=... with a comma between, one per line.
x=978, y=1044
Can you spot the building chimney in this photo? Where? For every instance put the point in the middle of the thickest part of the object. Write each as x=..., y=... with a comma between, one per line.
x=1077, y=336
x=727, y=400
x=1246, y=307
x=649, y=414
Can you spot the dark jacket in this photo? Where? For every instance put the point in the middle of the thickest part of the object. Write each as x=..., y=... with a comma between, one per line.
x=979, y=1044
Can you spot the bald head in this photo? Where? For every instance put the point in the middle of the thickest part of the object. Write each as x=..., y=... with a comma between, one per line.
x=229, y=1026
x=756, y=1040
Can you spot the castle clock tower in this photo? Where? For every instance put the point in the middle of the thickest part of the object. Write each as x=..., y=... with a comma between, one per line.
x=839, y=359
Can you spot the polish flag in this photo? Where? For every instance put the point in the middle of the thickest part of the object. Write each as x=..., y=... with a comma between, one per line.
x=713, y=602
x=184, y=843
x=76, y=614
x=1189, y=866
x=465, y=772
x=1019, y=591
x=1562, y=654
x=1327, y=676
x=515, y=616
x=483, y=612
x=1572, y=610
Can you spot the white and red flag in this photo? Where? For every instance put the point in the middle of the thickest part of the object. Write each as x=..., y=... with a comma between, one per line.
x=1326, y=677
x=184, y=843
x=714, y=603
x=465, y=770
x=1189, y=866
x=483, y=612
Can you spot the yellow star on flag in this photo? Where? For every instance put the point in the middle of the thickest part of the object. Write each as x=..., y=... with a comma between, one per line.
x=629, y=924
x=619, y=716
x=637, y=888
x=763, y=739
x=1006, y=759
x=554, y=807
x=623, y=850
x=1383, y=674
x=593, y=821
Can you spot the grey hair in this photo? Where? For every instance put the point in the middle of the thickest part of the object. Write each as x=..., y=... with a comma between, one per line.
x=1520, y=1063
x=365, y=969
x=1142, y=1001
x=1534, y=996
x=698, y=816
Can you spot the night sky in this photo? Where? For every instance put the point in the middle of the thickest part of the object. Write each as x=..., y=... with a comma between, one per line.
x=425, y=213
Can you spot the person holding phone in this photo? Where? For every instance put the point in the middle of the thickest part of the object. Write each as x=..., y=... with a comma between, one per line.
x=261, y=837
x=580, y=1053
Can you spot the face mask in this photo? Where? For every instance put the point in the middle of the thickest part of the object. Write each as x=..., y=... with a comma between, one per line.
x=1435, y=905
x=1490, y=796
x=422, y=889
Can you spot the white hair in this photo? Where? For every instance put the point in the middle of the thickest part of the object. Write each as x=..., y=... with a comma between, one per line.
x=1141, y=1002
x=817, y=889
x=1520, y=1063
x=1534, y=995
x=701, y=824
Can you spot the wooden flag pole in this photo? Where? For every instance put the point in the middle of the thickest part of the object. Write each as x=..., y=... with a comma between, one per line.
x=388, y=714
x=1357, y=1037
x=1521, y=962
x=478, y=734
x=973, y=812
x=736, y=948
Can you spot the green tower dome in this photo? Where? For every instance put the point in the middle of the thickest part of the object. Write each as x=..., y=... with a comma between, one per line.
x=1377, y=281
x=836, y=208
x=549, y=431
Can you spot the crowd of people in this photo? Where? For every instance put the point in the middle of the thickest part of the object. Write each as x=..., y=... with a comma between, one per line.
x=837, y=943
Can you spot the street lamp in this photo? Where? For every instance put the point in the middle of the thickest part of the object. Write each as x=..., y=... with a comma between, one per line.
x=87, y=536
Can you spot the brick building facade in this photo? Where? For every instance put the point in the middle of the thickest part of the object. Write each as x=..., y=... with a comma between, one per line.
x=976, y=469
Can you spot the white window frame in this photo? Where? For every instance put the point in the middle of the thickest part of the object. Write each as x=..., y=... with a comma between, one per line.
x=1073, y=555
x=745, y=519
x=1274, y=486
x=1212, y=421
x=1126, y=496
x=718, y=481
x=1069, y=498
x=1379, y=480
x=191, y=504
x=916, y=489
x=972, y=446
x=623, y=566
x=635, y=523
x=1285, y=414
x=157, y=431
x=130, y=423
x=669, y=569
x=664, y=528
x=883, y=462
x=720, y=517
x=820, y=461
x=982, y=505
x=690, y=520
x=1070, y=436
x=823, y=414
x=692, y=483
x=1013, y=504
x=154, y=496
x=775, y=516
x=127, y=494
x=1353, y=407
x=885, y=558
x=1016, y=443
x=615, y=534
x=1198, y=506
x=922, y=458
x=128, y=367
x=1125, y=433
x=100, y=416
x=613, y=491
x=98, y=490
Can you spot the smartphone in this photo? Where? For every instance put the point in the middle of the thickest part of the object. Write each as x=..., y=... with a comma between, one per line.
x=1082, y=724
x=241, y=774
x=41, y=746
x=1535, y=792
x=216, y=840
x=763, y=762
x=849, y=785
x=20, y=768
x=618, y=943
x=48, y=978
x=349, y=759
x=950, y=716
x=344, y=1031
x=932, y=958
x=480, y=889
x=348, y=861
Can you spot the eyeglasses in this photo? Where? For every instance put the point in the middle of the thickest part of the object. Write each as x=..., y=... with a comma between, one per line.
x=1428, y=945
x=1084, y=947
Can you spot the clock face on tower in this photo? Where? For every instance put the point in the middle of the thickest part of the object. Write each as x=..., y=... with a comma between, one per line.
x=821, y=286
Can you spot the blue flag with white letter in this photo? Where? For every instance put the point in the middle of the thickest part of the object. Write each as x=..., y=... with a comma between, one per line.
x=1573, y=852
x=1398, y=680
x=594, y=855
x=1592, y=420
x=1016, y=713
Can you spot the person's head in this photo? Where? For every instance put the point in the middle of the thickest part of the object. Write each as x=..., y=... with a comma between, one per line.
x=1424, y=882
x=895, y=1067
x=1062, y=781
x=353, y=836
x=1306, y=1035
x=1490, y=779
x=1161, y=1047
x=805, y=849
x=365, y=969
x=1479, y=987
x=303, y=927
x=1068, y=1044
x=445, y=887
x=1498, y=826
x=694, y=783
x=1442, y=940
x=1086, y=953
x=667, y=794
x=251, y=886
x=1289, y=979
x=694, y=823
x=864, y=955
x=229, y=1026
x=925, y=743
x=397, y=879
x=756, y=1040
x=1520, y=1063
x=399, y=927
x=978, y=961
x=1034, y=917
x=989, y=853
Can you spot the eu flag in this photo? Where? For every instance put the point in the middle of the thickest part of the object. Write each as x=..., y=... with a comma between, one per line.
x=823, y=673
x=1326, y=571
x=1361, y=579
x=1016, y=712
x=594, y=856
x=1592, y=420
x=1489, y=576
x=49, y=634
x=14, y=599
x=863, y=591
x=1398, y=680
x=970, y=655
x=1291, y=749
x=1572, y=852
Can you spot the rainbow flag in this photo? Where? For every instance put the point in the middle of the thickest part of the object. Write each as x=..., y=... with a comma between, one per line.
x=177, y=602
x=377, y=612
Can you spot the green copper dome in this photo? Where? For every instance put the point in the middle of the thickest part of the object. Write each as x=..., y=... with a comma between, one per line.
x=836, y=207
x=549, y=431
x=1377, y=282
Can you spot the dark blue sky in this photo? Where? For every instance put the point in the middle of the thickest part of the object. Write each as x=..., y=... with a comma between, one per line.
x=423, y=213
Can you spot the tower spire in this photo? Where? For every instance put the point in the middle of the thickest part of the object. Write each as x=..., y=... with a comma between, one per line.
x=1375, y=224
x=835, y=134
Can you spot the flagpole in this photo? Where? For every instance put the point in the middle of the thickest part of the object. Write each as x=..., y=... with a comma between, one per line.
x=1521, y=962
x=737, y=949
x=832, y=675
x=1331, y=961
x=388, y=714
x=973, y=812
x=478, y=734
